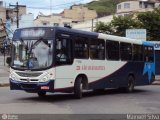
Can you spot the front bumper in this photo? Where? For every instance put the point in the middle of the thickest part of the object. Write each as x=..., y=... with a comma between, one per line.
x=32, y=86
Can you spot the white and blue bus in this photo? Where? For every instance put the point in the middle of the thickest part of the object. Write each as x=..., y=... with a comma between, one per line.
x=57, y=59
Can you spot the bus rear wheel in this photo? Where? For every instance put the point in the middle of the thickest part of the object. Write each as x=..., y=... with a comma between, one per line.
x=78, y=88
x=131, y=83
x=41, y=94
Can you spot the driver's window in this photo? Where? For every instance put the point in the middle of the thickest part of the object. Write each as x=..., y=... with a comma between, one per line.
x=63, y=50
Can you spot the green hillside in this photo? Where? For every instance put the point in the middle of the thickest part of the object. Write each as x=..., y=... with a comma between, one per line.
x=104, y=7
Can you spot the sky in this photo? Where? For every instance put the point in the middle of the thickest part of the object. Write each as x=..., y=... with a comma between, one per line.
x=45, y=6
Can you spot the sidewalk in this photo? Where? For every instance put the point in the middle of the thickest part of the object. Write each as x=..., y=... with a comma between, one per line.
x=4, y=75
x=157, y=80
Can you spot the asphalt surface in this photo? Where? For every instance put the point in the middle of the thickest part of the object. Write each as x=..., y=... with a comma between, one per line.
x=145, y=99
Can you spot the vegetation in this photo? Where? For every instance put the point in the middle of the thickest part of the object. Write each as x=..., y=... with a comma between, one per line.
x=104, y=7
x=151, y=22
x=148, y=20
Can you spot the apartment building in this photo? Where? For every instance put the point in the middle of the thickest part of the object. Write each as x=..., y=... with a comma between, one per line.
x=2, y=21
x=79, y=13
x=52, y=20
x=89, y=25
x=133, y=6
x=2, y=12
x=123, y=9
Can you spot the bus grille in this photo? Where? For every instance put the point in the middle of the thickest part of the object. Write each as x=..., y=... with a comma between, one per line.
x=28, y=74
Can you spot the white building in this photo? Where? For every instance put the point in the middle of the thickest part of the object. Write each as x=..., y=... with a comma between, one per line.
x=52, y=20
x=128, y=7
x=90, y=24
x=24, y=21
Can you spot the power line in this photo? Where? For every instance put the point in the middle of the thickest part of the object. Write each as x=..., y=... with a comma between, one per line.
x=49, y=7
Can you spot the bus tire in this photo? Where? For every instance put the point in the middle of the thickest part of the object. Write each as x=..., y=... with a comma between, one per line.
x=41, y=94
x=131, y=83
x=78, y=88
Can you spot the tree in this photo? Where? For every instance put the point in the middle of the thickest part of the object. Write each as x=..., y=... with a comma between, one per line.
x=104, y=28
x=121, y=23
x=148, y=20
x=151, y=22
x=118, y=25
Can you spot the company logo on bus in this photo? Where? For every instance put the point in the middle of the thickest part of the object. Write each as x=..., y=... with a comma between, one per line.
x=157, y=45
x=28, y=80
x=85, y=67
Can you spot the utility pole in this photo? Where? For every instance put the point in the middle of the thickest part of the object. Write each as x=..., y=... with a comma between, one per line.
x=17, y=15
x=92, y=24
x=17, y=11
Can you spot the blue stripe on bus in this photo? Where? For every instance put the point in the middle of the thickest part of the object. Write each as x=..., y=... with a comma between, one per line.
x=148, y=43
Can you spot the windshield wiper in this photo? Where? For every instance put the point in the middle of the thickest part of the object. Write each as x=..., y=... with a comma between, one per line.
x=33, y=45
x=30, y=51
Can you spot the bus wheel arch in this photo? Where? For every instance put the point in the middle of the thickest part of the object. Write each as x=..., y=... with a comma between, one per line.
x=81, y=83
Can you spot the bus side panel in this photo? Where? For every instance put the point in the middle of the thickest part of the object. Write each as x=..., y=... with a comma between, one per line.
x=101, y=74
x=119, y=77
x=97, y=70
x=64, y=78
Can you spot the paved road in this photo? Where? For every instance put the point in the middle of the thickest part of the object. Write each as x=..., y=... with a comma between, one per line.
x=145, y=99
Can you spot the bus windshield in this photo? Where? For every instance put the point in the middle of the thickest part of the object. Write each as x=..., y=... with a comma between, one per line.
x=32, y=54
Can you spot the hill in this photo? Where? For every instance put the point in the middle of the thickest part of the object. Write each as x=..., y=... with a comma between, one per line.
x=104, y=7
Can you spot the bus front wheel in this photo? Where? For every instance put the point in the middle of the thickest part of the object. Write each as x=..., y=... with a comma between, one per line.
x=41, y=94
x=78, y=88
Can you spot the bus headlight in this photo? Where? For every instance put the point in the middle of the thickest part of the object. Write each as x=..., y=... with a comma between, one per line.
x=44, y=79
x=13, y=77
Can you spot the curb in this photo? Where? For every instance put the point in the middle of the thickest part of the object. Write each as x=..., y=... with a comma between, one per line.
x=4, y=84
x=157, y=82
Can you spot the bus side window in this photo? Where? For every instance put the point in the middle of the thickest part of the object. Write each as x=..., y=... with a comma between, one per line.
x=112, y=50
x=126, y=51
x=148, y=54
x=97, y=49
x=81, y=48
x=137, y=52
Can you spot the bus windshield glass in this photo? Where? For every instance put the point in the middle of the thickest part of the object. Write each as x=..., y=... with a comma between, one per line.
x=32, y=54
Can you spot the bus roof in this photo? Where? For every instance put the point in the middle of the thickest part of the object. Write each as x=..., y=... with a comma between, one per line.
x=109, y=37
x=124, y=39
x=95, y=35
